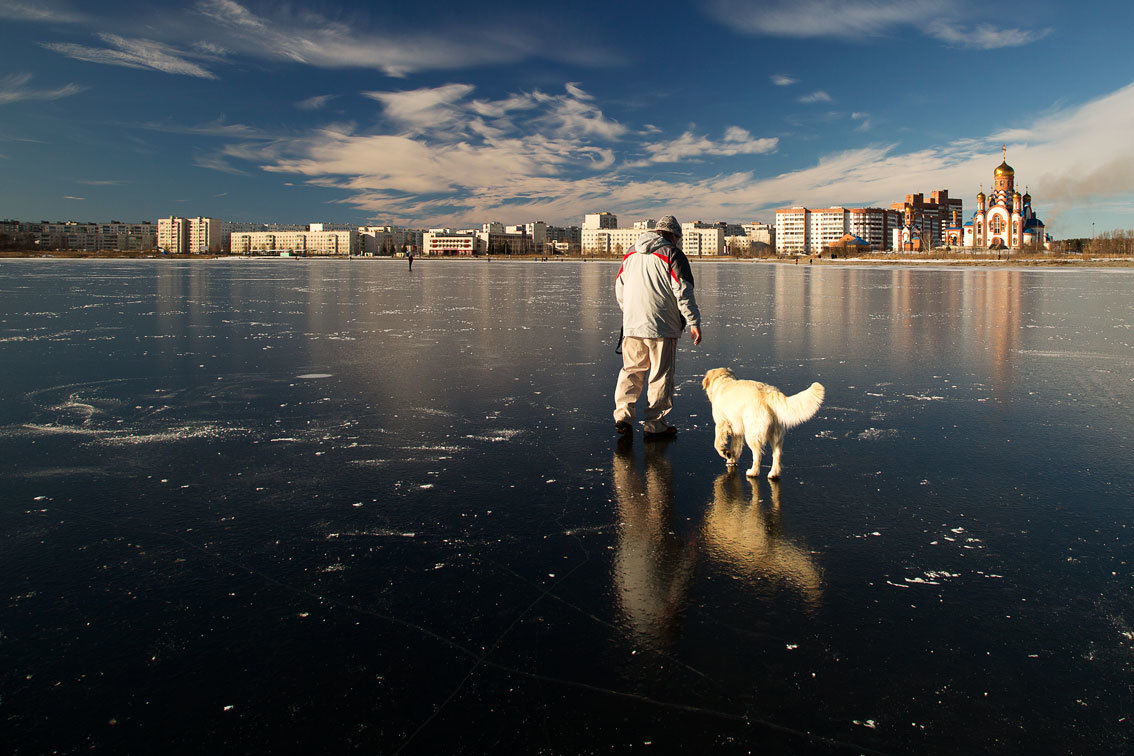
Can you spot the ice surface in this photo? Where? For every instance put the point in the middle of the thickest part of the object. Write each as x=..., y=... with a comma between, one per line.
x=324, y=505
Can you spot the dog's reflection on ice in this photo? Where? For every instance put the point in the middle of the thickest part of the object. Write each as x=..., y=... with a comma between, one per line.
x=652, y=564
x=739, y=533
x=746, y=535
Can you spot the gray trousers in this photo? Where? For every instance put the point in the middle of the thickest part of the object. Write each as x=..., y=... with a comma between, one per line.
x=649, y=363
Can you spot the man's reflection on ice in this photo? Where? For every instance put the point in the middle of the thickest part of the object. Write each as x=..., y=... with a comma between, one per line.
x=744, y=535
x=652, y=565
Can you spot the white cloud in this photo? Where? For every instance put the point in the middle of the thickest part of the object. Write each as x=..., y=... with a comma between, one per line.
x=736, y=141
x=315, y=103
x=574, y=116
x=313, y=40
x=419, y=110
x=217, y=162
x=133, y=53
x=40, y=10
x=985, y=37
x=13, y=88
x=219, y=128
x=816, y=96
x=865, y=19
x=68, y=196
x=288, y=32
x=783, y=80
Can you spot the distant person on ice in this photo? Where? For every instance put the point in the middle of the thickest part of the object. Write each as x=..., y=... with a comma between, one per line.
x=410, y=256
x=654, y=289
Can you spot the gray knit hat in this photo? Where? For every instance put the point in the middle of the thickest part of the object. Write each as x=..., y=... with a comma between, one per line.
x=670, y=224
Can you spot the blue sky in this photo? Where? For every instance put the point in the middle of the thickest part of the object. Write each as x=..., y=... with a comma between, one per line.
x=445, y=113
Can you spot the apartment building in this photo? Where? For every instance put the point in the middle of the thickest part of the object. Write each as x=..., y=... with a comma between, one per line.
x=609, y=241
x=381, y=240
x=760, y=232
x=112, y=236
x=699, y=238
x=801, y=230
x=565, y=239
x=924, y=222
x=316, y=240
x=600, y=220
x=791, y=231
x=199, y=235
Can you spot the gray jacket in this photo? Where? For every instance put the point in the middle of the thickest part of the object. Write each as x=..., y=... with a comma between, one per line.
x=654, y=288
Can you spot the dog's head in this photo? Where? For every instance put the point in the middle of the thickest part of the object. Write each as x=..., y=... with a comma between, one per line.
x=714, y=376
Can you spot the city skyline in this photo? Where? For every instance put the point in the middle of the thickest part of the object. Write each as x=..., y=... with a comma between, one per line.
x=446, y=115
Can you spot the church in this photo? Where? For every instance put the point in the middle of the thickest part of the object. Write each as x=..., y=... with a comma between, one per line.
x=1003, y=220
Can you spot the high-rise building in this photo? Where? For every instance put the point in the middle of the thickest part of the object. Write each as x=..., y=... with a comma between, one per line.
x=699, y=238
x=600, y=220
x=923, y=223
x=199, y=235
x=802, y=230
x=609, y=240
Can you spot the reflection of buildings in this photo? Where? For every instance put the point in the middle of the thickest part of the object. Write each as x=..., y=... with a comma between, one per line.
x=747, y=537
x=652, y=566
x=994, y=298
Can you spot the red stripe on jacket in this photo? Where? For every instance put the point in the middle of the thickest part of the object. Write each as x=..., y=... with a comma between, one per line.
x=656, y=254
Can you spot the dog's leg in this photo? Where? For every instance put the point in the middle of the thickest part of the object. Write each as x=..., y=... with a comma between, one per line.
x=754, y=443
x=777, y=452
x=735, y=448
x=721, y=441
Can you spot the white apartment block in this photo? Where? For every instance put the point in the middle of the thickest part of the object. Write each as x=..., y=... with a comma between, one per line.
x=199, y=235
x=609, y=241
x=825, y=227
x=600, y=220
x=874, y=225
x=760, y=232
x=800, y=230
x=698, y=238
x=314, y=241
x=791, y=230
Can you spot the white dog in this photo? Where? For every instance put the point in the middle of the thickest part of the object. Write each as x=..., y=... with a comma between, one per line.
x=757, y=413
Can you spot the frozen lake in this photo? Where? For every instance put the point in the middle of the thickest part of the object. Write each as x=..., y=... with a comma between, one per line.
x=314, y=506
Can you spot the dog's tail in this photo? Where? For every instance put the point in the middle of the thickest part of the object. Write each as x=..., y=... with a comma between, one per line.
x=799, y=408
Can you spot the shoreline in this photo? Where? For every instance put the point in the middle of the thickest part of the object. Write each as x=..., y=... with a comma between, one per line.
x=1022, y=261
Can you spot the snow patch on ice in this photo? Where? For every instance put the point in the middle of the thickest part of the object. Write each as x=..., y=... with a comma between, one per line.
x=877, y=434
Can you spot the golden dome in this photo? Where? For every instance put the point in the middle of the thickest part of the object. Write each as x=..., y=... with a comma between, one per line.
x=1004, y=170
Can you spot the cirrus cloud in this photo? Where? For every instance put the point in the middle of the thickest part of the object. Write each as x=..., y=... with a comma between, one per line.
x=14, y=87
x=865, y=19
x=133, y=53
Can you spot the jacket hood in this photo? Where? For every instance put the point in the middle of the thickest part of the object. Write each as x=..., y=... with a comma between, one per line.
x=651, y=241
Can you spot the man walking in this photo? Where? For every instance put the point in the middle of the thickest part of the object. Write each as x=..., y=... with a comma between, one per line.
x=654, y=288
